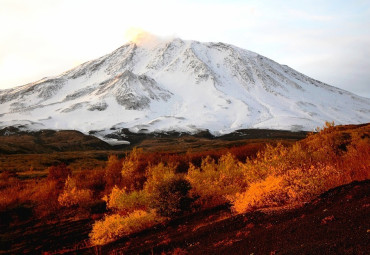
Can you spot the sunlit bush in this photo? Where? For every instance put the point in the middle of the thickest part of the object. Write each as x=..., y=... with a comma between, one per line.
x=115, y=226
x=125, y=201
x=73, y=196
x=212, y=182
x=133, y=170
x=282, y=175
x=356, y=161
x=269, y=192
x=293, y=187
x=158, y=174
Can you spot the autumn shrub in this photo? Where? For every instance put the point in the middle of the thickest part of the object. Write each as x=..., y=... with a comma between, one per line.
x=125, y=201
x=12, y=190
x=115, y=226
x=158, y=174
x=282, y=175
x=293, y=187
x=133, y=170
x=112, y=172
x=132, y=205
x=356, y=161
x=285, y=175
x=72, y=196
x=274, y=160
x=173, y=198
x=268, y=192
x=212, y=182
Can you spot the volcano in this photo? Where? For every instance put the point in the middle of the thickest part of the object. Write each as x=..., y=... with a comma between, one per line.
x=178, y=85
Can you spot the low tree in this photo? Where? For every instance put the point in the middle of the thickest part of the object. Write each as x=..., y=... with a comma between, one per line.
x=173, y=197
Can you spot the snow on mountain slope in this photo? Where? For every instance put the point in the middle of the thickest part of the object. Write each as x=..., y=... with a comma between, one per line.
x=180, y=85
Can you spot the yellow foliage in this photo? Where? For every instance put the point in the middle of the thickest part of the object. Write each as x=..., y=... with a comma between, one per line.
x=131, y=174
x=158, y=174
x=115, y=226
x=73, y=196
x=212, y=182
x=124, y=201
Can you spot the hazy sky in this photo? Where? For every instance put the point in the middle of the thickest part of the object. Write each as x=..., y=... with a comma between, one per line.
x=328, y=40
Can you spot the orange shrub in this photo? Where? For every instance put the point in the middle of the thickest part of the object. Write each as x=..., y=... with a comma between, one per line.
x=294, y=186
x=269, y=192
x=12, y=195
x=133, y=167
x=112, y=172
x=282, y=175
x=93, y=180
x=356, y=161
x=59, y=173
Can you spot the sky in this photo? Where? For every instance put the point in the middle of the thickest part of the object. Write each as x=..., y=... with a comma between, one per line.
x=328, y=40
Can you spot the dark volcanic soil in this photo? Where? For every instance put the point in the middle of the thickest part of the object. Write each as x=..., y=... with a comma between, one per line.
x=337, y=222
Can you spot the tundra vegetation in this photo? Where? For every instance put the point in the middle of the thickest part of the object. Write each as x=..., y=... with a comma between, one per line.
x=144, y=189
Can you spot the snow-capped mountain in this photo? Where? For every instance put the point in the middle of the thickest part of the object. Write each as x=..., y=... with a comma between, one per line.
x=180, y=85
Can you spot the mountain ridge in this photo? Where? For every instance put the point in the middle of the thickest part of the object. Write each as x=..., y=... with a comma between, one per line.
x=188, y=86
